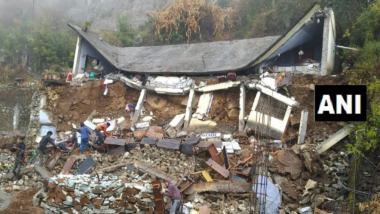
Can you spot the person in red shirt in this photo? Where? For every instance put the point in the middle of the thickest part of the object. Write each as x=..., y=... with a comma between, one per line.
x=101, y=127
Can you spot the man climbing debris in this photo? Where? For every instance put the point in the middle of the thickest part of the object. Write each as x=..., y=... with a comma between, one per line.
x=84, y=132
x=101, y=127
x=19, y=159
x=43, y=147
x=174, y=195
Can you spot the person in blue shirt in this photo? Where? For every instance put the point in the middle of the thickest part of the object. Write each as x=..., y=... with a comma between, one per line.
x=84, y=132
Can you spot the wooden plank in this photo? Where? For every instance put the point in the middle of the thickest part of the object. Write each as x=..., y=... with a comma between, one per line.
x=207, y=176
x=69, y=163
x=158, y=197
x=225, y=173
x=113, y=141
x=169, y=143
x=54, y=160
x=214, y=154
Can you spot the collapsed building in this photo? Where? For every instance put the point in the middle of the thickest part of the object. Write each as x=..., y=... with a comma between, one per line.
x=252, y=161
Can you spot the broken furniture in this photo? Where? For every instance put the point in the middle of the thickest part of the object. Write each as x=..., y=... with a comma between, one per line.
x=158, y=197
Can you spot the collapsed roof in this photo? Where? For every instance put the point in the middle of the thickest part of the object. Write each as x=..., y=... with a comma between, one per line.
x=199, y=58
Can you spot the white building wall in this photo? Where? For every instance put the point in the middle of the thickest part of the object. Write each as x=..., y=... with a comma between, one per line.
x=85, y=49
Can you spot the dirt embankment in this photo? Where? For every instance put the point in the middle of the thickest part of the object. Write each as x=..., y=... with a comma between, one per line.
x=22, y=202
x=74, y=104
x=303, y=92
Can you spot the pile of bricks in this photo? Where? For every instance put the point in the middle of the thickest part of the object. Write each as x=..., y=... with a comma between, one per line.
x=88, y=194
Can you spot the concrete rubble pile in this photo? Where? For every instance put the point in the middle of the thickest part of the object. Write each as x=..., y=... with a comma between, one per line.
x=90, y=194
x=211, y=168
x=306, y=179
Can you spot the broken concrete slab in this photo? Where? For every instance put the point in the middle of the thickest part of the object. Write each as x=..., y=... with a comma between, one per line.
x=217, y=87
x=259, y=119
x=177, y=121
x=267, y=91
x=153, y=171
x=139, y=106
x=303, y=127
x=45, y=174
x=335, y=138
x=172, y=91
x=204, y=106
x=132, y=83
x=189, y=109
x=90, y=125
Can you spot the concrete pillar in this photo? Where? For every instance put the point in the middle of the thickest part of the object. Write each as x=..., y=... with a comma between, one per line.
x=288, y=101
x=189, y=109
x=328, y=44
x=335, y=138
x=242, y=108
x=78, y=53
x=303, y=127
x=139, y=105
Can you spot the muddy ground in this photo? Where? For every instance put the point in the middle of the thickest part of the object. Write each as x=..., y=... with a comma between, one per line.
x=22, y=203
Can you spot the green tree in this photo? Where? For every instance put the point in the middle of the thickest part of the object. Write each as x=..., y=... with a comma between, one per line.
x=125, y=33
x=367, y=72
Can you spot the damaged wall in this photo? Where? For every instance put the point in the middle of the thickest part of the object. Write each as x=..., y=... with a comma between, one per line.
x=87, y=50
x=15, y=108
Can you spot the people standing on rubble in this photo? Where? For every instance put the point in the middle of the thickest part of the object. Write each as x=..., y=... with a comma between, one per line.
x=174, y=195
x=101, y=127
x=43, y=147
x=19, y=159
x=84, y=133
x=21, y=142
x=130, y=107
